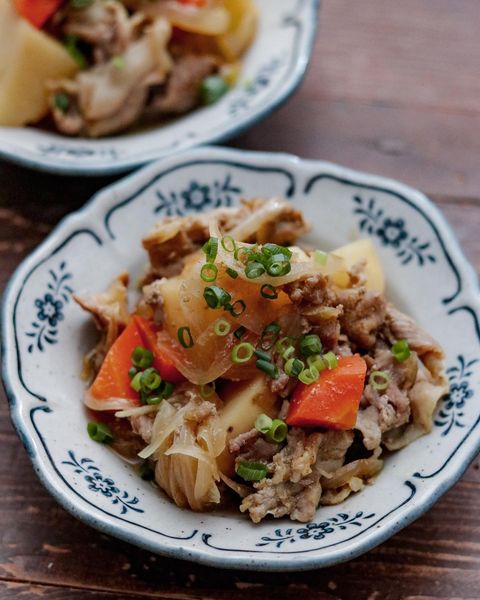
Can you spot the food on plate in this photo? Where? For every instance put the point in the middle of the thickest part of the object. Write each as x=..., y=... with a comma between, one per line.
x=252, y=367
x=96, y=67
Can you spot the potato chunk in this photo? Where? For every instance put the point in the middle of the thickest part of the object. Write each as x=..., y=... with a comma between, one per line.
x=28, y=59
x=364, y=249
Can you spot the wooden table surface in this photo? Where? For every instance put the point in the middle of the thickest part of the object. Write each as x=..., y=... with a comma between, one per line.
x=393, y=88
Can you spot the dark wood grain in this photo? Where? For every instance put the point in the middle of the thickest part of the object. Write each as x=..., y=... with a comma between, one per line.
x=393, y=89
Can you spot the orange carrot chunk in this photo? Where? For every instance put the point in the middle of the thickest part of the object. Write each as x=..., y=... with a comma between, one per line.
x=37, y=11
x=162, y=360
x=333, y=400
x=112, y=380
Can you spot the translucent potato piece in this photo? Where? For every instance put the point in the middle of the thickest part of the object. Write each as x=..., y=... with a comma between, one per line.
x=243, y=402
x=28, y=59
x=242, y=30
x=364, y=249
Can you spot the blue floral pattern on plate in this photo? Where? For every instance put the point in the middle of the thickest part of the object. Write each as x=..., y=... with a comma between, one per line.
x=49, y=309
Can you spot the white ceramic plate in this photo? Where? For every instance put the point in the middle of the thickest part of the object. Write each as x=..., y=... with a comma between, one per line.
x=272, y=70
x=45, y=336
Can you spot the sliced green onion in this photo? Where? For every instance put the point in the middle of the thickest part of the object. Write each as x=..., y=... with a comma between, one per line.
x=237, y=308
x=283, y=344
x=232, y=273
x=142, y=358
x=254, y=270
x=277, y=432
x=251, y=471
x=208, y=272
x=310, y=344
x=279, y=268
x=293, y=367
x=228, y=243
x=242, y=353
x=263, y=423
x=212, y=89
x=207, y=390
x=288, y=352
x=240, y=332
x=71, y=45
x=136, y=383
x=153, y=399
x=330, y=360
x=150, y=380
x=99, y=432
x=263, y=355
x=267, y=367
x=379, y=380
x=146, y=472
x=215, y=296
x=132, y=372
x=242, y=250
x=118, y=62
x=222, y=327
x=269, y=292
x=309, y=376
x=210, y=247
x=269, y=336
x=271, y=249
x=401, y=350
x=61, y=101
x=185, y=337
x=317, y=361
x=80, y=3
x=320, y=257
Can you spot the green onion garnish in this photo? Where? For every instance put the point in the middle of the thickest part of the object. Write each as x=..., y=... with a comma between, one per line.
x=269, y=292
x=150, y=380
x=288, y=352
x=210, y=247
x=99, y=432
x=142, y=358
x=71, y=46
x=401, y=350
x=216, y=297
x=237, y=308
x=293, y=367
x=263, y=355
x=251, y=471
x=240, y=332
x=309, y=376
x=269, y=336
x=317, y=361
x=379, y=380
x=331, y=360
x=283, y=344
x=207, y=390
x=242, y=353
x=208, y=272
x=228, y=243
x=118, y=62
x=254, y=270
x=153, y=399
x=188, y=341
x=263, y=423
x=277, y=432
x=267, y=367
x=310, y=344
x=146, y=472
x=221, y=327
x=136, y=383
x=232, y=273
x=212, y=89
x=271, y=249
x=320, y=257
x=244, y=250
x=132, y=372
x=61, y=101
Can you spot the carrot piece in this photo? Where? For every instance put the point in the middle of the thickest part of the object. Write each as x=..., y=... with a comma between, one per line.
x=333, y=400
x=162, y=360
x=37, y=12
x=112, y=380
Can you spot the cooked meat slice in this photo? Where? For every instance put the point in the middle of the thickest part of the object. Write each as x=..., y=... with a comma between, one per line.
x=368, y=424
x=252, y=446
x=142, y=425
x=294, y=487
x=104, y=25
x=363, y=315
x=110, y=312
x=181, y=91
x=104, y=98
x=236, y=444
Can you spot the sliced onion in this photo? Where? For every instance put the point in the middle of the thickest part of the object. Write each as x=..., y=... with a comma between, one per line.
x=138, y=411
x=255, y=221
x=109, y=404
x=213, y=19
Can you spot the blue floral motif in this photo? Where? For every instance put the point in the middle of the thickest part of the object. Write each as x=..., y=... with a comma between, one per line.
x=102, y=485
x=391, y=232
x=451, y=412
x=314, y=531
x=50, y=309
x=252, y=88
x=198, y=197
